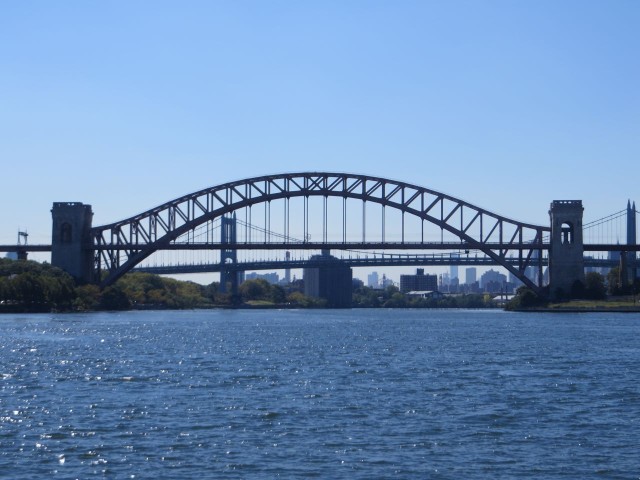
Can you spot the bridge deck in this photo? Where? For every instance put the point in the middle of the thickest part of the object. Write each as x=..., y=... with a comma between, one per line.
x=25, y=248
x=589, y=247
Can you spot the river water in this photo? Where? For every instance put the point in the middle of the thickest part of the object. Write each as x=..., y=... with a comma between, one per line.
x=320, y=393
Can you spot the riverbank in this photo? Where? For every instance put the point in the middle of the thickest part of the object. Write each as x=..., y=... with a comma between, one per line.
x=627, y=304
x=581, y=310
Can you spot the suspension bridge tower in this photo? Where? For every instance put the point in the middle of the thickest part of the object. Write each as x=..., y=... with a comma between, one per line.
x=632, y=271
x=22, y=241
x=566, y=256
x=228, y=256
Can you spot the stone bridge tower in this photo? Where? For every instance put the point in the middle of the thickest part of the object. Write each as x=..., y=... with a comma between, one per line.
x=566, y=256
x=71, y=248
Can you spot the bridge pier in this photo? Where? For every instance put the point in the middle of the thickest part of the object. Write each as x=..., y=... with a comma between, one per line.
x=566, y=254
x=71, y=240
x=331, y=281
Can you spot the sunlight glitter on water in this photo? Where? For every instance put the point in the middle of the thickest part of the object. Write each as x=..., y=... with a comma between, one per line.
x=335, y=394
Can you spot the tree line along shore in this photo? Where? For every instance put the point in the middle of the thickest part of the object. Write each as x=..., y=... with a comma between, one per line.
x=29, y=286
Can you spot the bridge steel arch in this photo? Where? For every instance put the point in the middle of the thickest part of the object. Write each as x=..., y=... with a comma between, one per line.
x=120, y=246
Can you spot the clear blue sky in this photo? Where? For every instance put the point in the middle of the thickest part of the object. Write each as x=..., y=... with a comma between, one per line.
x=507, y=104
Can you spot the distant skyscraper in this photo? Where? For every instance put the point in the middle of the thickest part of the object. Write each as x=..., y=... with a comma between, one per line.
x=372, y=280
x=614, y=255
x=492, y=281
x=470, y=275
x=386, y=282
x=287, y=272
x=453, y=269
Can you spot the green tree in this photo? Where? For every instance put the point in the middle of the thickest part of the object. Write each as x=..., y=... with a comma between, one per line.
x=191, y=294
x=87, y=298
x=613, y=281
x=302, y=300
x=595, y=288
x=277, y=294
x=6, y=290
x=114, y=298
x=365, y=297
x=254, y=289
x=525, y=298
x=397, y=300
x=28, y=288
x=154, y=291
x=35, y=286
x=577, y=289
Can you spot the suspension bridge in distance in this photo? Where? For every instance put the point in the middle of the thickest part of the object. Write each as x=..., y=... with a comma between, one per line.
x=372, y=221
x=351, y=256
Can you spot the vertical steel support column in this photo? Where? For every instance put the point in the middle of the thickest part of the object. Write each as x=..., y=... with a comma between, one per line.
x=305, y=219
x=287, y=215
x=383, y=222
x=364, y=221
x=421, y=218
x=324, y=219
x=268, y=226
x=403, y=226
x=344, y=220
x=540, y=269
x=441, y=220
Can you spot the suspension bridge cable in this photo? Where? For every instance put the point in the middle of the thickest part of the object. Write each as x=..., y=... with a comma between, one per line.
x=608, y=218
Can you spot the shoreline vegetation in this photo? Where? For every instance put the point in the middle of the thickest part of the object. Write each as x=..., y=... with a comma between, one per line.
x=32, y=287
x=619, y=304
x=597, y=294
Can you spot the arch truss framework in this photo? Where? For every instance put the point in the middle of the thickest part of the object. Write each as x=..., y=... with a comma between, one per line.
x=120, y=246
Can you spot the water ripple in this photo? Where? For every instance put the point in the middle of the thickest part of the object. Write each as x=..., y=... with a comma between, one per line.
x=328, y=394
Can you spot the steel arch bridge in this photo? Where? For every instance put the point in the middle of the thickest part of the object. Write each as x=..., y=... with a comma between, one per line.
x=118, y=247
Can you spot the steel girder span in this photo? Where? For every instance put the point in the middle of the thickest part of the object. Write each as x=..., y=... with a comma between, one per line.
x=400, y=215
